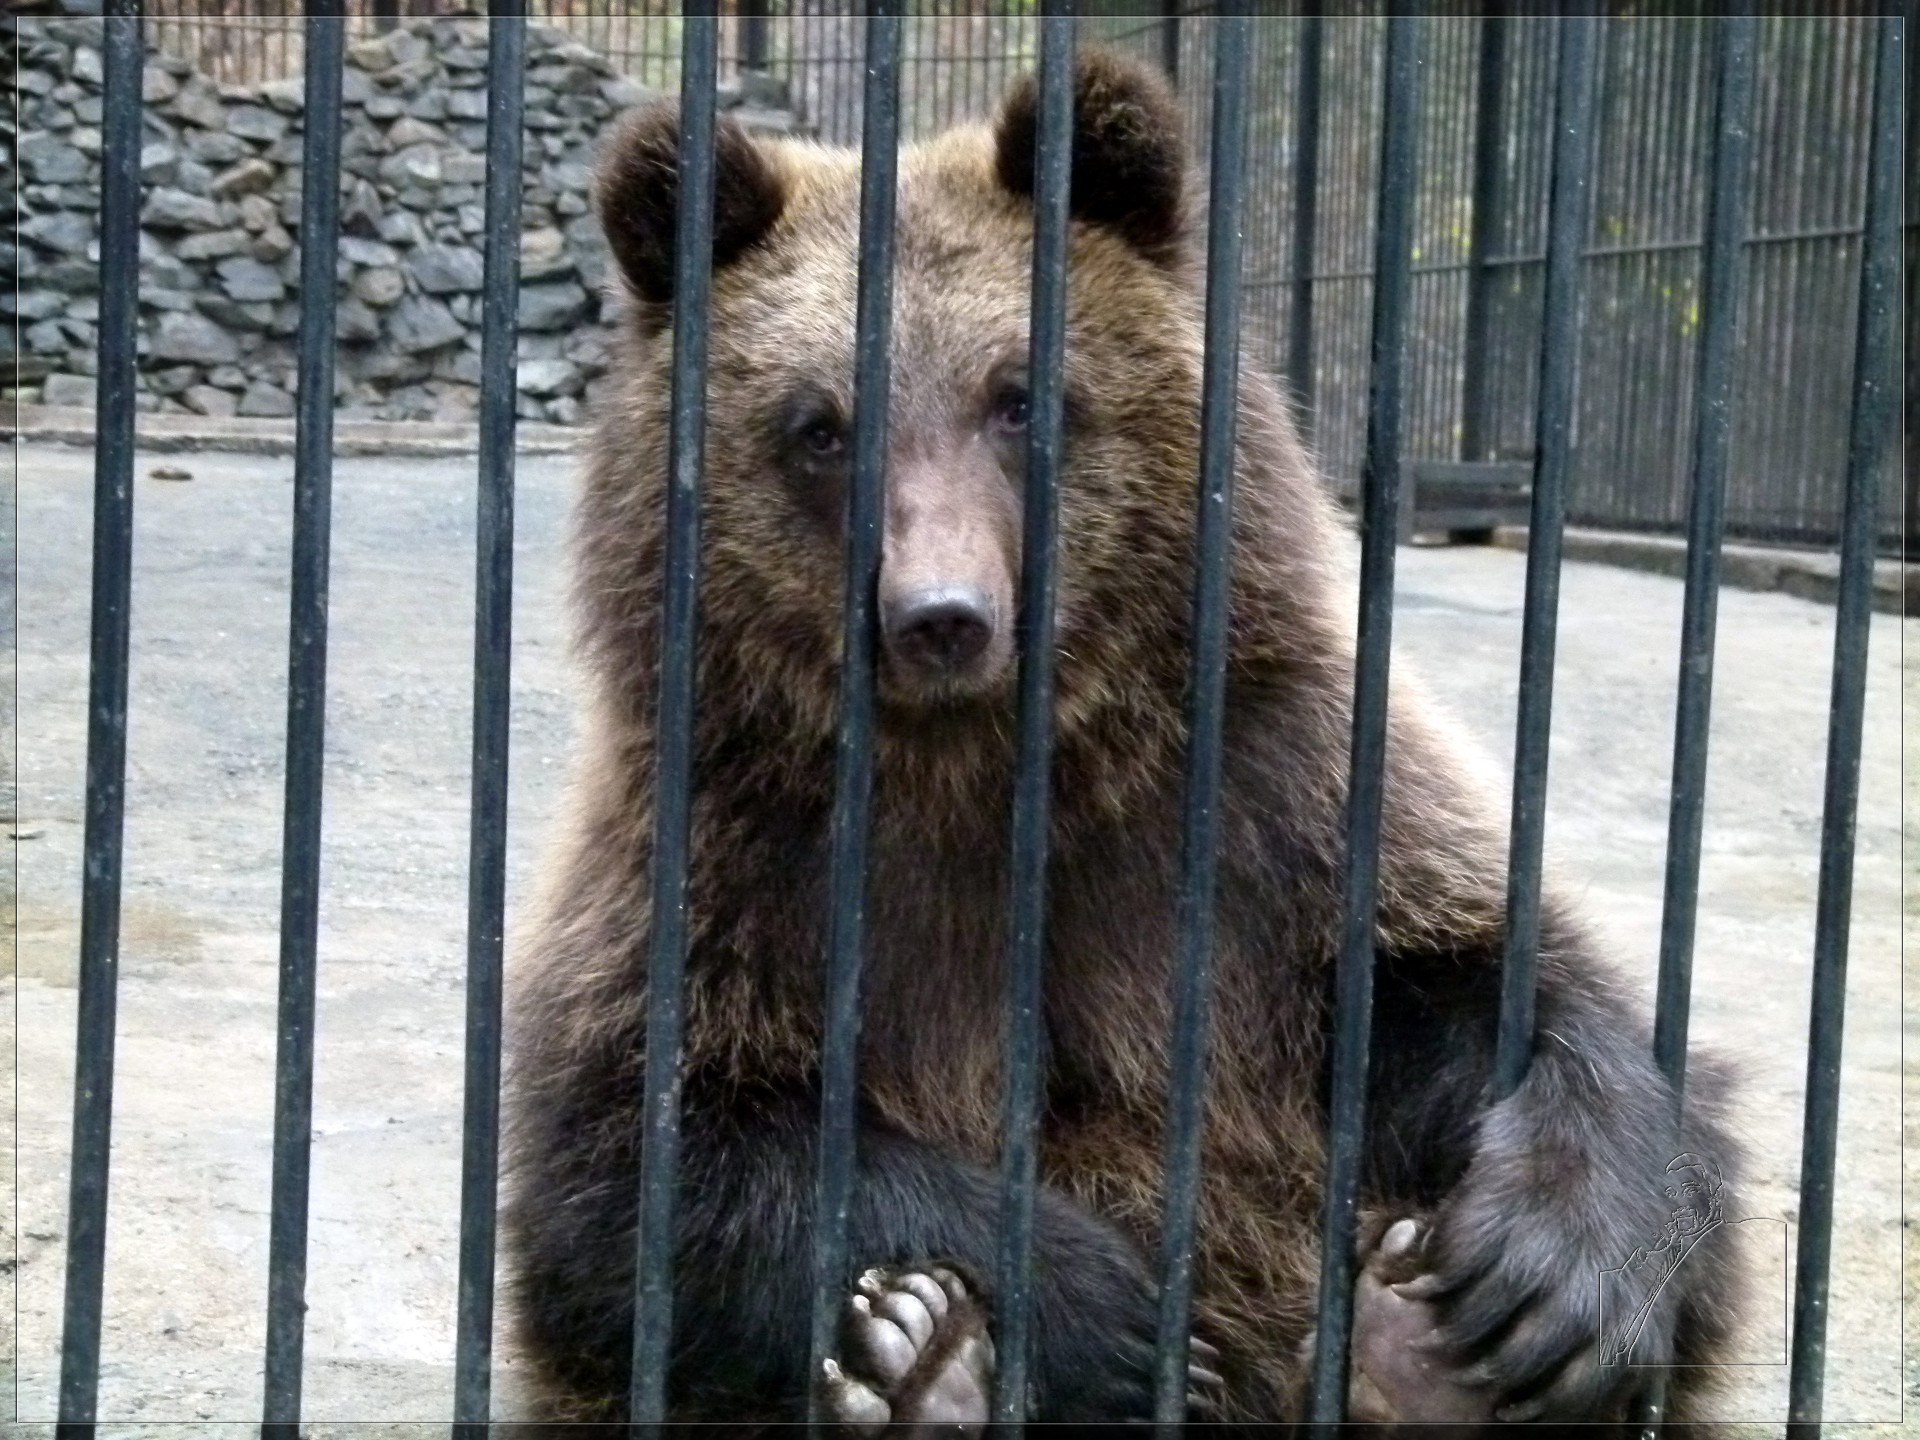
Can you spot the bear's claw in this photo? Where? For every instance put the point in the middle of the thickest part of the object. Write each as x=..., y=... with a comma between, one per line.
x=916, y=1357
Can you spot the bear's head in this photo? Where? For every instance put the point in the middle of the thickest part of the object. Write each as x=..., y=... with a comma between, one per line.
x=780, y=417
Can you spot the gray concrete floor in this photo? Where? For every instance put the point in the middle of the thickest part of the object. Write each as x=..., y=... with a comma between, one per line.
x=187, y=1242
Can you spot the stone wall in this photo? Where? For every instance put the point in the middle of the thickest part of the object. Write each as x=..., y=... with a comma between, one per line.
x=220, y=224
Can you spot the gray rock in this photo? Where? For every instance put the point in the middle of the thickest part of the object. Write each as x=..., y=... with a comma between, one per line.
x=549, y=377
x=173, y=379
x=236, y=315
x=258, y=212
x=402, y=227
x=193, y=178
x=249, y=177
x=385, y=107
x=564, y=410
x=34, y=82
x=266, y=400
x=462, y=366
x=157, y=86
x=33, y=304
x=158, y=162
x=467, y=104
x=446, y=269
x=430, y=106
x=417, y=165
x=623, y=94
x=214, y=245
x=543, y=255
x=289, y=97
x=62, y=232
x=256, y=122
x=551, y=306
x=360, y=208
x=407, y=47
x=51, y=160
x=228, y=377
x=155, y=298
x=571, y=203
x=355, y=87
x=46, y=337
x=172, y=209
x=76, y=390
x=272, y=244
x=380, y=286
x=205, y=400
x=356, y=250
x=408, y=131
x=74, y=277
x=462, y=167
x=465, y=308
x=192, y=338
x=370, y=54
x=354, y=323
x=86, y=66
x=244, y=278
x=198, y=103
x=419, y=323
x=215, y=147
x=464, y=57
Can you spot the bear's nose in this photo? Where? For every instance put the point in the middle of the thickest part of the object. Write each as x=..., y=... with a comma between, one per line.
x=943, y=627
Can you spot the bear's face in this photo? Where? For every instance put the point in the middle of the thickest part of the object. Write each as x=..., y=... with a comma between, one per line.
x=779, y=438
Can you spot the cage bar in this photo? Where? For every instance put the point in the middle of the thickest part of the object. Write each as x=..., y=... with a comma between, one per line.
x=1875, y=376
x=1724, y=265
x=306, y=728
x=492, y=710
x=673, y=733
x=1306, y=212
x=853, y=778
x=1021, y=1100
x=105, y=827
x=1206, y=712
x=1489, y=138
x=1553, y=458
x=1380, y=485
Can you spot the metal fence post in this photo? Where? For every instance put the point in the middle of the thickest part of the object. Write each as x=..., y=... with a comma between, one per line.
x=1206, y=712
x=1306, y=215
x=1020, y=1113
x=306, y=725
x=1170, y=39
x=673, y=736
x=1868, y=426
x=853, y=757
x=1380, y=486
x=1489, y=139
x=1553, y=459
x=106, y=725
x=492, y=711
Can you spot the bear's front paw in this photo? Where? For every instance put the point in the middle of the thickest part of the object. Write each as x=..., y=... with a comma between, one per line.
x=915, y=1359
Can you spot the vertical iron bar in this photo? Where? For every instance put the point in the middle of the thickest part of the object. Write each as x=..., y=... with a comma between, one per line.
x=1489, y=140
x=1046, y=379
x=1206, y=705
x=1874, y=379
x=753, y=34
x=1724, y=262
x=386, y=14
x=1380, y=483
x=853, y=779
x=1559, y=352
x=1170, y=39
x=306, y=726
x=106, y=724
x=673, y=737
x=1306, y=217
x=492, y=711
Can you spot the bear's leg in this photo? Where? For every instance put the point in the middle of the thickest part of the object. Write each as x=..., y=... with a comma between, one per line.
x=915, y=1356
x=1397, y=1378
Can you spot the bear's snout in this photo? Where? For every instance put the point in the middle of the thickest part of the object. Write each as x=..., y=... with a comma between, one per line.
x=940, y=630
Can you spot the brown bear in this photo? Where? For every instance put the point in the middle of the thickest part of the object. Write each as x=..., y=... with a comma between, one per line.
x=1514, y=1208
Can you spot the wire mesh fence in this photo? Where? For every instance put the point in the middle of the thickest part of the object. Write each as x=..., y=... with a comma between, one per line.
x=1479, y=215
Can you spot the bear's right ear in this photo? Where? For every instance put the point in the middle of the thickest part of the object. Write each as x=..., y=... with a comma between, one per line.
x=637, y=190
x=1129, y=156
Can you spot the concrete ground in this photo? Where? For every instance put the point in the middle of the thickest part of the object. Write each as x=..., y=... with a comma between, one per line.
x=187, y=1241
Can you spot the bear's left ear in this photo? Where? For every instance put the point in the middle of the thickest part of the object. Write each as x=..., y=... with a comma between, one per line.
x=1129, y=156
x=637, y=195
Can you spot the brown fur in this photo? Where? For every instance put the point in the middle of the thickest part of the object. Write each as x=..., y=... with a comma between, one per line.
x=782, y=313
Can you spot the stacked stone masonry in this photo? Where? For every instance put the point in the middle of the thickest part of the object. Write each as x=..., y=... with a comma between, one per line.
x=220, y=224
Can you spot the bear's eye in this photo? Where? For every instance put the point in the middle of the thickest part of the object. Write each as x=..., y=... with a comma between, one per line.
x=1010, y=408
x=821, y=438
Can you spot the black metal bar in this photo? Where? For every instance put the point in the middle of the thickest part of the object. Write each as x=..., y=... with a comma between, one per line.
x=1047, y=340
x=1489, y=138
x=106, y=723
x=673, y=735
x=386, y=14
x=492, y=708
x=1353, y=1013
x=1206, y=708
x=1724, y=264
x=1553, y=459
x=1170, y=38
x=1875, y=378
x=853, y=779
x=306, y=726
x=753, y=34
x=1306, y=216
